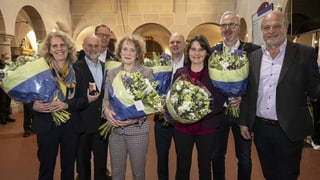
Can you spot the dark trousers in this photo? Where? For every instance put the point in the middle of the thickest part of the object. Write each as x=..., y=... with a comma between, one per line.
x=163, y=137
x=279, y=157
x=64, y=138
x=27, y=118
x=92, y=142
x=5, y=103
x=316, y=122
x=242, y=149
x=184, y=147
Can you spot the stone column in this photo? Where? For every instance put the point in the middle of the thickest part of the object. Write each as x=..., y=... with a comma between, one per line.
x=5, y=43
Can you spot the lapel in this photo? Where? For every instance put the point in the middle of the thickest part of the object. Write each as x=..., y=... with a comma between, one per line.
x=87, y=71
x=255, y=64
x=290, y=54
x=91, y=79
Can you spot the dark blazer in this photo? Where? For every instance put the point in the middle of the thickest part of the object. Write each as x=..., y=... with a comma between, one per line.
x=298, y=78
x=81, y=55
x=91, y=114
x=43, y=122
x=247, y=47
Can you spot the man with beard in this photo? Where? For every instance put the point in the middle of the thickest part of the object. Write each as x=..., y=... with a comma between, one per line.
x=103, y=32
x=230, y=30
x=92, y=72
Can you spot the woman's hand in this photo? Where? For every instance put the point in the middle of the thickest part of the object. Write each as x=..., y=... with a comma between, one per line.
x=127, y=122
x=41, y=106
x=109, y=116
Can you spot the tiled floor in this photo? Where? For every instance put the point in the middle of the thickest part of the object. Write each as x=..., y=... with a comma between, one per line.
x=18, y=159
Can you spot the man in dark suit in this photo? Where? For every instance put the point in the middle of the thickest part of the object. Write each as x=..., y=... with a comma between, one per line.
x=103, y=32
x=230, y=29
x=5, y=100
x=275, y=108
x=92, y=76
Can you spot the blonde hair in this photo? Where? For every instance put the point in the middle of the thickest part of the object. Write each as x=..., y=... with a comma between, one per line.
x=45, y=50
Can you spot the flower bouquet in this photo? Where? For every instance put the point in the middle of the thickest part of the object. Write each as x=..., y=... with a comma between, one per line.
x=162, y=71
x=29, y=78
x=112, y=63
x=187, y=103
x=228, y=72
x=131, y=96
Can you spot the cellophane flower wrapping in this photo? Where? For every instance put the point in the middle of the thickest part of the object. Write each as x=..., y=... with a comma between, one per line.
x=28, y=78
x=133, y=96
x=112, y=63
x=162, y=71
x=187, y=103
x=229, y=73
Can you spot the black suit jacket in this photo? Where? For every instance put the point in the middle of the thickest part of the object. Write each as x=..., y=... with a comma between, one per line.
x=247, y=47
x=91, y=114
x=298, y=78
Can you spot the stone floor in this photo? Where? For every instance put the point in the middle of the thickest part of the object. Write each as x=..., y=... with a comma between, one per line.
x=18, y=159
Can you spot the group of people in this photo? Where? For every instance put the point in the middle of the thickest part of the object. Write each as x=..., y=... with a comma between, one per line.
x=274, y=111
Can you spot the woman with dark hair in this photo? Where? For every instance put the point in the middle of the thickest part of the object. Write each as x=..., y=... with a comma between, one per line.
x=202, y=132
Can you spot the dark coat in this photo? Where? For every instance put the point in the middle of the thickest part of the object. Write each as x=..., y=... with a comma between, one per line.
x=91, y=114
x=298, y=78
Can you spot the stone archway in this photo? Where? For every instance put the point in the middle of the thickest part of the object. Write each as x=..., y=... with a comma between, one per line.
x=90, y=30
x=28, y=19
x=2, y=25
x=210, y=30
x=156, y=33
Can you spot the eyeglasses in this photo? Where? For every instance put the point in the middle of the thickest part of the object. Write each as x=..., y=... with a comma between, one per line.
x=230, y=25
x=103, y=35
x=274, y=27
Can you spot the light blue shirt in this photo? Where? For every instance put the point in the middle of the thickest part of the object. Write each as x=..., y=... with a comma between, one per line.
x=96, y=71
x=269, y=76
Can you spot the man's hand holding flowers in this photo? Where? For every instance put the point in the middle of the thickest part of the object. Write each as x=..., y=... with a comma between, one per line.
x=228, y=72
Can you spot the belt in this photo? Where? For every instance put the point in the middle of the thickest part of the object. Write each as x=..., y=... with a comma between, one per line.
x=268, y=122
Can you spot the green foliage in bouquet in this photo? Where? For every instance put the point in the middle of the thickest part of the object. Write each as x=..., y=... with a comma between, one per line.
x=12, y=65
x=227, y=61
x=141, y=89
x=162, y=60
x=187, y=103
x=60, y=117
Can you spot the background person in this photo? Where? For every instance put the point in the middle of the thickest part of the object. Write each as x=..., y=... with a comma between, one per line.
x=5, y=100
x=163, y=133
x=103, y=32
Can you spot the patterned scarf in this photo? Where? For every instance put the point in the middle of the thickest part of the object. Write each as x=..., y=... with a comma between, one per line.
x=66, y=81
